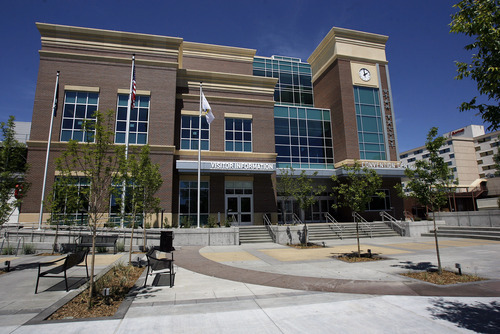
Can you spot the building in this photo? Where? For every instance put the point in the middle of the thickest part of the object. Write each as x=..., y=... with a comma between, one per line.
x=468, y=151
x=270, y=113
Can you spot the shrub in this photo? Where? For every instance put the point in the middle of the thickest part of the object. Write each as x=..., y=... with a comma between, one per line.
x=185, y=222
x=120, y=246
x=8, y=250
x=211, y=222
x=29, y=249
x=101, y=249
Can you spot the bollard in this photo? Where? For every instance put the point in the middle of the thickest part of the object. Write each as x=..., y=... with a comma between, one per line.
x=459, y=267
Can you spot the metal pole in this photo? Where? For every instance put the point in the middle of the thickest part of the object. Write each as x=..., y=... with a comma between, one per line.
x=54, y=107
x=127, y=134
x=199, y=162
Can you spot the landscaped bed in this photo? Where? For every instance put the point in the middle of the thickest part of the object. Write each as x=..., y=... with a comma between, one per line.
x=447, y=277
x=120, y=279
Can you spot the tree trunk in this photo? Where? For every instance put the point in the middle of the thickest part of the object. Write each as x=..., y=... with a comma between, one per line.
x=92, y=266
x=54, y=246
x=440, y=269
x=357, y=237
x=131, y=243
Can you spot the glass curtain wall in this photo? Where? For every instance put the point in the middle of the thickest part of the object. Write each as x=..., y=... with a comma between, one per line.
x=369, y=122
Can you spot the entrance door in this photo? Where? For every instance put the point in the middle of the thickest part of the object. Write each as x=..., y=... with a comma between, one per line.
x=239, y=208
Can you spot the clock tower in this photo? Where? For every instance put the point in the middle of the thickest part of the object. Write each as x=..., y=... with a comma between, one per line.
x=351, y=78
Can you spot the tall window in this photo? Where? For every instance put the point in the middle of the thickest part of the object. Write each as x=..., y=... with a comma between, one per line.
x=238, y=135
x=369, y=121
x=303, y=137
x=380, y=204
x=139, y=117
x=188, y=202
x=189, y=133
x=294, y=85
x=78, y=107
x=70, y=199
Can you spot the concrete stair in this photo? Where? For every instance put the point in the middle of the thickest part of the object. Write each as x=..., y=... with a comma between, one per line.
x=480, y=232
x=325, y=232
x=254, y=234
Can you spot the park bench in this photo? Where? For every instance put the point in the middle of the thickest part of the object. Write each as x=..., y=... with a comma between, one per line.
x=100, y=241
x=58, y=268
x=160, y=263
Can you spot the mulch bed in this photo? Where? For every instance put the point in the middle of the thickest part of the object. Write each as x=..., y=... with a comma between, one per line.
x=120, y=280
x=447, y=277
x=355, y=259
x=305, y=246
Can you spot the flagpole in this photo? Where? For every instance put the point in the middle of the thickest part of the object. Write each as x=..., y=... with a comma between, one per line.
x=54, y=107
x=127, y=134
x=199, y=162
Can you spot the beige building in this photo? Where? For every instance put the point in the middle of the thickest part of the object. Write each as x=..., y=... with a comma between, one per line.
x=468, y=152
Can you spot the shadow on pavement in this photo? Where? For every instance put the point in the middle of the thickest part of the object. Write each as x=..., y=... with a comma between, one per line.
x=415, y=266
x=478, y=317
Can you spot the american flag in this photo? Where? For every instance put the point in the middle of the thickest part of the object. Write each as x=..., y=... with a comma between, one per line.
x=134, y=88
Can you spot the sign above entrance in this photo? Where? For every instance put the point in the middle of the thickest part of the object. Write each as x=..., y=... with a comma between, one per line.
x=227, y=166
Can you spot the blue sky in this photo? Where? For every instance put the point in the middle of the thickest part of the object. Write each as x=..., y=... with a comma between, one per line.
x=420, y=50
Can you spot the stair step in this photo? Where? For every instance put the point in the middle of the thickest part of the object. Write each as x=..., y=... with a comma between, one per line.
x=254, y=234
x=464, y=235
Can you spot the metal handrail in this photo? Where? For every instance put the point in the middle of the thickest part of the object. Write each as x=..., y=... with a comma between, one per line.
x=334, y=223
x=393, y=222
x=269, y=226
x=364, y=222
x=296, y=219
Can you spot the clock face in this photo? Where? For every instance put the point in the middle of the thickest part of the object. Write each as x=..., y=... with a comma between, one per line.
x=364, y=74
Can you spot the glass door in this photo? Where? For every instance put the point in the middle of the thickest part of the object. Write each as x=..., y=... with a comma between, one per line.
x=239, y=209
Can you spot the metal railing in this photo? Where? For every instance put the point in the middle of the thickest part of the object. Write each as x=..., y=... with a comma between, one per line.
x=296, y=219
x=394, y=222
x=335, y=223
x=363, y=223
x=269, y=226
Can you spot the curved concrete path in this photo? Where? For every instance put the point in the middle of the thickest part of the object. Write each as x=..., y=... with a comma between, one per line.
x=191, y=259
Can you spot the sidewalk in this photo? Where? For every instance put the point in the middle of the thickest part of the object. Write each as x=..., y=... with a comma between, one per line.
x=205, y=300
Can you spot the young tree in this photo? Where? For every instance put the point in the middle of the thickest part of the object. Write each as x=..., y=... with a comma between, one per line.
x=430, y=182
x=98, y=162
x=496, y=158
x=356, y=190
x=64, y=201
x=144, y=180
x=285, y=188
x=305, y=192
x=480, y=19
x=12, y=169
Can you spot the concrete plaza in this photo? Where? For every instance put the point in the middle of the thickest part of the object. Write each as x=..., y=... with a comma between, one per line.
x=270, y=288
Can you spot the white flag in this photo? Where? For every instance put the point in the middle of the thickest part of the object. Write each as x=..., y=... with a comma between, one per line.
x=205, y=107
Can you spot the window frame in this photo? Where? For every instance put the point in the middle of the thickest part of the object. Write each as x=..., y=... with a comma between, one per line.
x=234, y=132
x=76, y=120
x=137, y=122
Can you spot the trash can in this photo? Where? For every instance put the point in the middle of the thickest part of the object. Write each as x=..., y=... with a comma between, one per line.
x=167, y=241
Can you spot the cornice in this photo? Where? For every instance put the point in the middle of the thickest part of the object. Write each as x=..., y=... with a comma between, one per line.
x=108, y=36
x=185, y=76
x=347, y=44
x=61, y=145
x=222, y=154
x=229, y=100
x=106, y=59
x=218, y=51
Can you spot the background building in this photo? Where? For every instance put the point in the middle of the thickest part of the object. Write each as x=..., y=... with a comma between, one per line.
x=270, y=113
x=469, y=152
